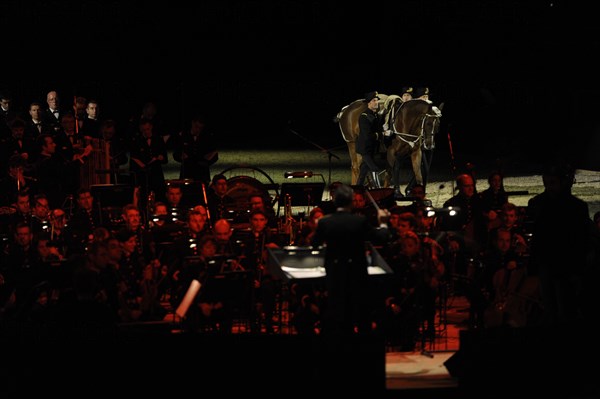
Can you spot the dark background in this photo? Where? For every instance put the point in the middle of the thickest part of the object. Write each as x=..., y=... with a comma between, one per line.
x=517, y=79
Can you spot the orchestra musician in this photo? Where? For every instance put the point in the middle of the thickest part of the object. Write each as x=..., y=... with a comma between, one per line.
x=219, y=202
x=148, y=154
x=16, y=181
x=255, y=245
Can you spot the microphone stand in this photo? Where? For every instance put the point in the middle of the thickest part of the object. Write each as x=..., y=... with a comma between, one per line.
x=452, y=162
x=329, y=153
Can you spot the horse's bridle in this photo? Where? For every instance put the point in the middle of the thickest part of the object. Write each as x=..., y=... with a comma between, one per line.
x=410, y=138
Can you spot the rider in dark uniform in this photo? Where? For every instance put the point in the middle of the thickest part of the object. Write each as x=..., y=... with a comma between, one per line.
x=367, y=142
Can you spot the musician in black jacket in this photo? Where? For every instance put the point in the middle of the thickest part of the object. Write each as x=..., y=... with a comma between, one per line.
x=148, y=154
x=195, y=149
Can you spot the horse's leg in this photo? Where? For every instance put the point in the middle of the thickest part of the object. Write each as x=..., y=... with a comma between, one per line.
x=355, y=161
x=416, y=166
x=393, y=170
x=427, y=156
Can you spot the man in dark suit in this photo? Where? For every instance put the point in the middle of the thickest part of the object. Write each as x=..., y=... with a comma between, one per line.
x=367, y=142
x=344, y=234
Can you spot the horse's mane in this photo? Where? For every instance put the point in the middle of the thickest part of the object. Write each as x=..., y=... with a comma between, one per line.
x=417, y=106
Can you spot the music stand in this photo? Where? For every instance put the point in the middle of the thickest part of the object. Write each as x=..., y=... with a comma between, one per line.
x=302, y=194
x=307, y=263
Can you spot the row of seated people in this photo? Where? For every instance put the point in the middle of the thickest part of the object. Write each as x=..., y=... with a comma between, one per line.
x=74, y=238
x=158, y=259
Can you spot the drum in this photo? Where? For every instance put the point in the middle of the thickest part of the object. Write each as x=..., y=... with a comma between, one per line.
x=241, y=187
x=384, y=197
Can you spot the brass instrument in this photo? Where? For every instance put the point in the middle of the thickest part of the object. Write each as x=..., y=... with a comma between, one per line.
x=151, y=201
x=289, y=223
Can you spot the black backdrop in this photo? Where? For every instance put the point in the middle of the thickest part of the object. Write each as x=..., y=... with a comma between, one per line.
x=257, y=69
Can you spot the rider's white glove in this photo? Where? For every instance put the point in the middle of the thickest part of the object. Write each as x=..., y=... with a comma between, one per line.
x=385, y=127
x=387, y=133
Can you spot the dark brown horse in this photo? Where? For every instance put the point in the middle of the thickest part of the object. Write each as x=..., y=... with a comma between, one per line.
x=414, y=125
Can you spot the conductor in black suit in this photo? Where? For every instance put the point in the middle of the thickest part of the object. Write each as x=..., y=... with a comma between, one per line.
x=344, y=235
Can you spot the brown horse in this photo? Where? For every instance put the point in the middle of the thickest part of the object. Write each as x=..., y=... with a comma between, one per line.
x=413, y=125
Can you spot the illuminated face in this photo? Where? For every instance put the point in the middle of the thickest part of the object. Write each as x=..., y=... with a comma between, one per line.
x=23, y=236
x=258, y=222
x=23, y=204
x=92, y=110
x=132, y=219
x=174, y=195
x=85, y=200
x=129, y=245
x=208, y=249
x=509, y=218
x=373, y=104
x=201, y=210
x=358, y=201
x=52, y=100
x=221, y=187
x=222, y=232
x=36, y=112
x=467, y=186
x=403, y=226
x=196, y=223
x=5, y=104
x=41, y=208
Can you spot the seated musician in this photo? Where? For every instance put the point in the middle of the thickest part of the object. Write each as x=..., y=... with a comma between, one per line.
x=255, y=245
x=328, y=206
x=184, y=247
x=15, y=181
x=226, y=244
x=308, y=229
x=257, y=201
x=360, y=205
x=133, y=222
x=219, y=202
x=164, y=229
x=86, y=217
x=175, y=208
x=209, y=310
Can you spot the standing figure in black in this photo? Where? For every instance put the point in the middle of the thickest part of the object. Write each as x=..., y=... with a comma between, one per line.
x=195, y=149
x=561, y=228
x=344, y=235
x=367, y=143
x=148, y=154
